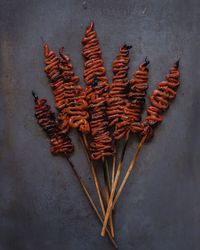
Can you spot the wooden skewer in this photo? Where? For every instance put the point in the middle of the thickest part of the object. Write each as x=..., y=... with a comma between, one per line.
x=114, y=186
x=130, y=168
x=96, y=181
x=107, y=191
x=107, y=175
x=90, y=200
x=113, y=169
x=114, y=161
x=110, y=218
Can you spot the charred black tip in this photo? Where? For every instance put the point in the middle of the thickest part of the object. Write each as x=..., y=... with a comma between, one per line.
x=52, y=116
x=127, y=46
x=61, y=50
x=95, y=81
x=34, y=95
x=177, y=62
x=146, y=61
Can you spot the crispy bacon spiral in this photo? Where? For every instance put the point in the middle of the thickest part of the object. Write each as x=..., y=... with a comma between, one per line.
x=160, y=100
x=69, y=98
x=101, y=144
x=118, y=87
x=60, y=143
x=93, y=61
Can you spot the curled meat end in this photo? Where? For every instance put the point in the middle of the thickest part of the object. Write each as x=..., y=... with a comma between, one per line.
x=59, y=142
x=160, y=100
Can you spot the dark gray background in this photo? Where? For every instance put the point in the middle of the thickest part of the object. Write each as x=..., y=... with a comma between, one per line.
x=41, y=204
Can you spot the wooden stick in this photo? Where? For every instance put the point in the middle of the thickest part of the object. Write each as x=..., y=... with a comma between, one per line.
x=109, y=208
x=113, y=168
x=107, y=175
x=114, y=165
x=96, y=181
x=90, y=200
x=110, y=218
x=107, y=191
x=130, y=168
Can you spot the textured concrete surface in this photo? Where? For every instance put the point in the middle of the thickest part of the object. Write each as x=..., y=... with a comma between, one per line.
x=41, y=204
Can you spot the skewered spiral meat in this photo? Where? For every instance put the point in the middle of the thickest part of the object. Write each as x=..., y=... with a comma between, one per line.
x=131, y=115
x=79, y=115
x=96, y=94
x=118, y=87
x=137, y=93
x=69, y=98
x=60, y=143
x=53, y=71
x=160, y=100
x=75, y=96
x=93, y=61
x=101, y=144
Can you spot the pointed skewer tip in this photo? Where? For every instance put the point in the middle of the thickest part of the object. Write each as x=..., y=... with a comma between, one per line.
x=91, y=25
x=34, y=95
x=177, y=62
x=42, y=39
x=146, y=61
x=127, y=46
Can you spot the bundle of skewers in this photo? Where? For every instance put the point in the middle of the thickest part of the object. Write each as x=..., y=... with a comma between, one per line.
x=103, y=114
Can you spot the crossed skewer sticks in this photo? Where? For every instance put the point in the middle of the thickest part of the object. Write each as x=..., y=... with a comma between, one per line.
x=102, y=201
x=82, y=184
x=160, y=99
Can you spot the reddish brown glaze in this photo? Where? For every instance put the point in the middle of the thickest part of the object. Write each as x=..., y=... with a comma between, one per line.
x=96, y=95
x=118, y=88
x=101, y=144
x=60, y=143
x=131, y=114
x=137, y=93
x=69, y=97
x=160, y=101
x=93, y=61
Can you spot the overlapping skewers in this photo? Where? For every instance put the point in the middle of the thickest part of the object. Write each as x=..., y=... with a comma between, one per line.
x=129, y=121
x=107, y=113
x=61, y=144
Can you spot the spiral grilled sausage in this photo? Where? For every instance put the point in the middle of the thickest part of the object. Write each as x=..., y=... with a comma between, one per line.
x=160, y=100
x=131, y=115
x=75, y=96
x=60, y=143
x=79, y=114
x=69, y=98
x=93, y=61
x=101, y=144
x=137, y=93
x=53, y=67
x=118, y=87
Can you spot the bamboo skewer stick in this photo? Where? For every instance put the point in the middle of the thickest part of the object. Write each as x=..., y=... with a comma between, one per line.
x=107, y=192
x=113, y=168
x=90, y=200
x=96, y=181
x=107, y=175
x=130, y=168
x=110, y=218
x=114, y=186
